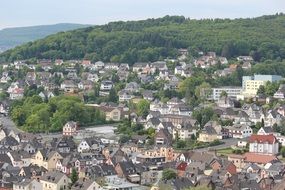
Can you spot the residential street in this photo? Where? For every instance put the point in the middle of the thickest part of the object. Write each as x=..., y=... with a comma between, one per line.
x=228, y=143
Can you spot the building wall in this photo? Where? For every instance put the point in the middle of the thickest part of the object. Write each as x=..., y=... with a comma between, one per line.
x=263, y=148
x=207, y=138
x=231, y=91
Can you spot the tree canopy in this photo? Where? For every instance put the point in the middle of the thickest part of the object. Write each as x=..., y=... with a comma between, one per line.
x=153, y=39
x=33, y=115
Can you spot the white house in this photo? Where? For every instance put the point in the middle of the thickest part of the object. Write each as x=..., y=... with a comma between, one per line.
x=27, y=184
x=263, y=144
x=99, y=65
x=70, y=128
x=239, y=131
x=89, y=143
x=106, y=85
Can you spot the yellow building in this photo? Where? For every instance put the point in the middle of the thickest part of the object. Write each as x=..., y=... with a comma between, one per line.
x=251, y=87
x=45, y=159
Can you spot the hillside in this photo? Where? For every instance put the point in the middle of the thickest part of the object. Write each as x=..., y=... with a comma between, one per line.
x=12, y=37
x=153, y=39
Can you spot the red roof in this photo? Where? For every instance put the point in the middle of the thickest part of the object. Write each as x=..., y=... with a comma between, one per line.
x=182, y=166
x=271, y=139
x=259, y=158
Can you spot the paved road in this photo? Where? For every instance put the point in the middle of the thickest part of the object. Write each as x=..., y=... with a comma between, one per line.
x=9, y=124
x=227, y=143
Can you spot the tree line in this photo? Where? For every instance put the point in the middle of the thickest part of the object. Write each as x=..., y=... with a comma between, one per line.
x=155, y=39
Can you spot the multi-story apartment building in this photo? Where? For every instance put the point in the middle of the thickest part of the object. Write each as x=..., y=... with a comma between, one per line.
x=251, y=84
x=232, y=91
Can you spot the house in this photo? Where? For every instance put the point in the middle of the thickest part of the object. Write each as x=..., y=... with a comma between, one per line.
x=273, y=117
x=148, y=95
x=125, y=96
x=89, y=144
x=267, y=131
x=280, y=93
x=132, y=87
x=106, y=85
x=46, y=159
x=127, y=170
x=240, y=131
x=85, y=85
x=238, y=160
x=86, y=63
x=27, y=184
x=32, y=172
x=152, y=123
x=65, y=144
x=46, y=95
x=112, y=113
x=68, y=86
x=99, y=65
x=163, y=137
x=184, y=131
x=142, y=68
x=263, y=144
x=208, y=134
x=16, y=94
x=112, y=66
x=92, y=77
x=85, y=184
x=185, y=157
x=70, y=129
x=55, y=180
x=244, y=58
x=246, y=65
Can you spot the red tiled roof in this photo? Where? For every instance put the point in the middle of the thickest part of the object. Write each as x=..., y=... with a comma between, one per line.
x=182, y=166
x=263, y=139
x=258, y=158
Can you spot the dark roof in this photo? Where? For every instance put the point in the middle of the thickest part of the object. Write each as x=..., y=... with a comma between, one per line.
x=5, y=159
x=179, y=183
x=82, y=183
x=52, y=176
x=128, y=168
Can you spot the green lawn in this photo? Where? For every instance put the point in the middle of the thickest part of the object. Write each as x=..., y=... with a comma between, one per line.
x=225, y=151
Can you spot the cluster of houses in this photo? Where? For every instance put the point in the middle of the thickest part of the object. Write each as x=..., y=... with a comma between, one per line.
x=29, y=162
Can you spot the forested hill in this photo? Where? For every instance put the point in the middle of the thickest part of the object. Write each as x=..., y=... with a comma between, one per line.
x=153, y=39
x=11, y=37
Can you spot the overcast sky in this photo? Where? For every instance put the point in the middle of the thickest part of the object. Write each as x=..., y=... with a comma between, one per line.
x=14, y=13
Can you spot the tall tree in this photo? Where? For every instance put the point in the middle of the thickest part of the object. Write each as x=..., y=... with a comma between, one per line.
x=74, y=176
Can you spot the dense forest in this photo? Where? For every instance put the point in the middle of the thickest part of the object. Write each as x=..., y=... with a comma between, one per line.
x=11, y=37
x=154, y=39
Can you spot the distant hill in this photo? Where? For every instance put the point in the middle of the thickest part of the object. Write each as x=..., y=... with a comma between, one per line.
x=11, y=37
x=154, y=39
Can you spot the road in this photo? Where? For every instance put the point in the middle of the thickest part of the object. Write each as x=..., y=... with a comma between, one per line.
x=9, y=124
x=107, y=131
x=227, y=143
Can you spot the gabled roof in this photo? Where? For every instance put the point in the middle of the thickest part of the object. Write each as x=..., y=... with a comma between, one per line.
x=271, y=139
x=258, y=158
x=128, y=168
x=52, y=176
x=82, y=184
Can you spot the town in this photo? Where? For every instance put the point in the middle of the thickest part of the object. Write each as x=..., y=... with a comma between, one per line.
x=185, y=123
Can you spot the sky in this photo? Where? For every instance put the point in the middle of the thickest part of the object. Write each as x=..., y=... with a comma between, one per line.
x=17, y=13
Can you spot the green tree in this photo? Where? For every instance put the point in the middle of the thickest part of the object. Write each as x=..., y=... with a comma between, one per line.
x=168, y=174
x=113, y=97
x=143, y=108
x=74, y=176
